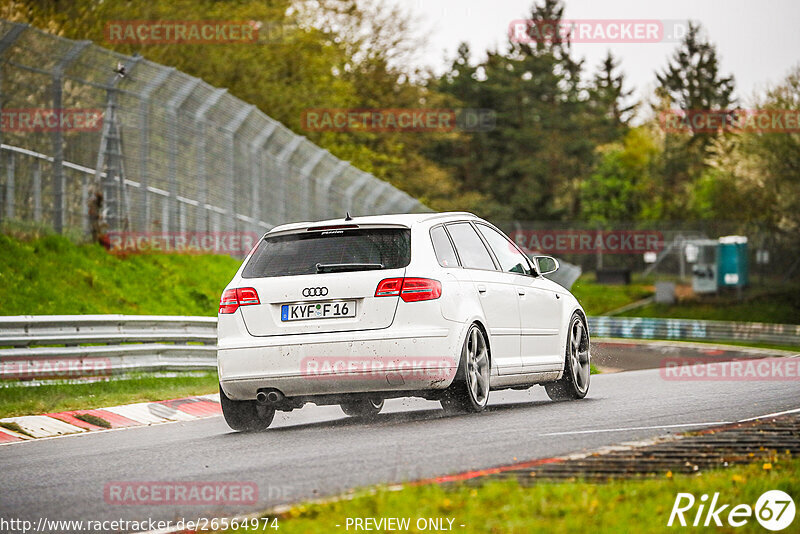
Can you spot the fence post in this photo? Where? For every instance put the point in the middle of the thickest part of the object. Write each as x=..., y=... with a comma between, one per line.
x=232, y=128
x=256, y=170
x=59, y=201
x=411, y=203
x=283, y=161
x=10, y=194
x=394, y=198
x=144, y=143
x=311, y=185
x=351, y=192
x=37, y=190
x=173, y=106
x=7, y=40
x=324, y=189
x=201, y=221
x=374, y=195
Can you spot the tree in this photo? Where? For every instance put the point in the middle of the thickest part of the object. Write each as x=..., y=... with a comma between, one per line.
x=692, y=79
x=610, y=100
x=621, y=186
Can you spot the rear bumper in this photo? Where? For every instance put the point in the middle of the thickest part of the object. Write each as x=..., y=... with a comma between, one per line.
x=391, y=359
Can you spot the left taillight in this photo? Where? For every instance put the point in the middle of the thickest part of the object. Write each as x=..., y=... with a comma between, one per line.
x=233, y=298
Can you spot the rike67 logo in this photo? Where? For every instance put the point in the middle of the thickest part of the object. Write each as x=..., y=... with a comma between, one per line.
x=774, y=510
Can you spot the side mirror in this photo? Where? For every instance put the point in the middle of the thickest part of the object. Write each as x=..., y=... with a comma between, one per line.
x=546, y=264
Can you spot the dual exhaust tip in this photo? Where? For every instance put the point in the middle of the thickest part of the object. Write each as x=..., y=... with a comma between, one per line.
x=269, y=397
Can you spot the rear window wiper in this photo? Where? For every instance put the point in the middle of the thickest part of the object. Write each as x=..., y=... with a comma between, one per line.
x=341, y=267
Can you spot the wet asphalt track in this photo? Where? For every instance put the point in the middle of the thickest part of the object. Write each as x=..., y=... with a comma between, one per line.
x=317, y=451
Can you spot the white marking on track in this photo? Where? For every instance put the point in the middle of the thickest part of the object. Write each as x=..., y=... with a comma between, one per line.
x=625, y=429
x=769, y=415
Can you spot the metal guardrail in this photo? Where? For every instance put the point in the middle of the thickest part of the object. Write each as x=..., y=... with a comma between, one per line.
x=694, y=330
x=55, y=346
x=65, y=346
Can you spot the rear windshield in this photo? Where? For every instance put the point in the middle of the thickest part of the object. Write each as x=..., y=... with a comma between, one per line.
x=293, y=254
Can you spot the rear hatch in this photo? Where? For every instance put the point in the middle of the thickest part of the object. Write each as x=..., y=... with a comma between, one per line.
x=323, y=279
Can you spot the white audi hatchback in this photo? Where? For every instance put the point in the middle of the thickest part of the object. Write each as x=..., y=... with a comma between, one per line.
x=356, y=310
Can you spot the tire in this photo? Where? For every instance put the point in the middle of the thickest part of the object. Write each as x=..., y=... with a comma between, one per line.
x=469, y=391
x=362, y=408
x=574, y=383
x=245, y=416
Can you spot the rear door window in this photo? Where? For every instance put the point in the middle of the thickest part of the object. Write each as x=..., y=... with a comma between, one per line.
x=310, y=252
x=470, y=247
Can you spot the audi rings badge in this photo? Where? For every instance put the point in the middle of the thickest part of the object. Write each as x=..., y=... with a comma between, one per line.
x=315, y=291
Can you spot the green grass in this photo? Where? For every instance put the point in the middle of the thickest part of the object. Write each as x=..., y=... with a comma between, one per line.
x=59, y=397
x=598, y=299
x=52, y=275
x=769, y=304
x=782, y=306
x=634, y=505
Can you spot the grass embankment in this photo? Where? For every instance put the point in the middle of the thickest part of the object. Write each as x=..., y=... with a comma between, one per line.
x=51, y=275
x=58, y=397
x=633, y=505
x=768, y=304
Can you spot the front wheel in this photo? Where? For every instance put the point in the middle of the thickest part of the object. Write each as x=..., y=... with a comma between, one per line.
x=574, y=383
x=245, y=415
x=363, y=408
x=469, y=392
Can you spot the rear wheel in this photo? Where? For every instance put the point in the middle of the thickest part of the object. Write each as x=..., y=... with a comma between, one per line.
x=574, y=384
x=470, y=389
x=364, y=408
x=245, y=415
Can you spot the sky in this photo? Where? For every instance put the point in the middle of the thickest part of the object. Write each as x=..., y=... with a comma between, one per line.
x=757, y=41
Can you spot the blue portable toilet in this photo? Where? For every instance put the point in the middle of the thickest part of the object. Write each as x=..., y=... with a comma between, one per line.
x=732, y=269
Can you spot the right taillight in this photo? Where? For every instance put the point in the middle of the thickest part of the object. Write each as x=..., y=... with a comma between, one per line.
x=233, y=298
x=409, y=289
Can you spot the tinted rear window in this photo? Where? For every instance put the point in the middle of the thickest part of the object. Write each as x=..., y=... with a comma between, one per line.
x=295, y=254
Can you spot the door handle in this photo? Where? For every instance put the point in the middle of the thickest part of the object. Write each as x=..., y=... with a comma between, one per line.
x=521, y=292
x=558, y=296
x=481, y=288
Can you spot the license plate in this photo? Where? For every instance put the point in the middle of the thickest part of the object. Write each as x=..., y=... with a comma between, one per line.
x=318, y=310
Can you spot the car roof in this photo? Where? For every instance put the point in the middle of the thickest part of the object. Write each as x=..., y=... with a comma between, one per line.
x=405, y=219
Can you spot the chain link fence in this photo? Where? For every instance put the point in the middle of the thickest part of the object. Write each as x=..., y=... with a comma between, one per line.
x=170, y=153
